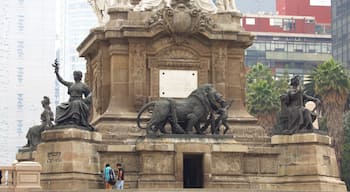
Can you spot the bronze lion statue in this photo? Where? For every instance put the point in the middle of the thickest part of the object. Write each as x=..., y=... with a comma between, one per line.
x=182, y=114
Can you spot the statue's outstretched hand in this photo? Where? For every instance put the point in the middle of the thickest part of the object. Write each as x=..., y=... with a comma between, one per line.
x=56, y=66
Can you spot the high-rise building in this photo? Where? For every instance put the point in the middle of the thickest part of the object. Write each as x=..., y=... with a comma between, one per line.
x=341, y=31
x=77, y=20
x=27, y=49
x=295, y=40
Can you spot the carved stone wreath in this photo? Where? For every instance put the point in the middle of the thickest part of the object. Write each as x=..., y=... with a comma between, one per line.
x=181, y=18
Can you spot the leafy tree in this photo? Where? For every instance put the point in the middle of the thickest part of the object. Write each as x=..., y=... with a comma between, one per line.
x=331, y=83
x=282, y=83
x=263, y=95
x=259, y=72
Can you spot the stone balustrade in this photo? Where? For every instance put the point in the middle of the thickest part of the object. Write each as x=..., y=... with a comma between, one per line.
x=21, y=176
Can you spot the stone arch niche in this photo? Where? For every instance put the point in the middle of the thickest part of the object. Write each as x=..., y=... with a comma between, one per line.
x=176, y=58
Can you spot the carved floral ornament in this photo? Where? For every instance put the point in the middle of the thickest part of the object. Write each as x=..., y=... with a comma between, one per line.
x=181, y=18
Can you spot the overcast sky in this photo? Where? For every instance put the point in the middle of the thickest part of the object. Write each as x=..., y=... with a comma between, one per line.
x=255, y=6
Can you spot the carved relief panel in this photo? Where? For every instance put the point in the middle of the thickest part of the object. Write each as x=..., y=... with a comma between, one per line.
x=219, y=60
x=137, y=72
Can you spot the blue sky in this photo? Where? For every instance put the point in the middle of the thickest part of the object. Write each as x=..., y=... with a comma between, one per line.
x=255, y=6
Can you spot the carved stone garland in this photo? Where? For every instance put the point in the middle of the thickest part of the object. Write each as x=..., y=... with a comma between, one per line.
x=182, y=18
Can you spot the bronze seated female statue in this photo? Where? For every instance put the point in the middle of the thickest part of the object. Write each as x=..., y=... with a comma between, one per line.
x=76, y=110
x=295, y=118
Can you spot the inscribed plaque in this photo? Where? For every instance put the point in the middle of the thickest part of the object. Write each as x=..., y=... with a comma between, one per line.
x=177, y=83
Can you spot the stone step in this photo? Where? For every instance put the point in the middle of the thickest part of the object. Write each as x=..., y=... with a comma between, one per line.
x=158, y=190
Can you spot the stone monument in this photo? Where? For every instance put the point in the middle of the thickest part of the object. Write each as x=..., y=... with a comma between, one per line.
x=148, y=50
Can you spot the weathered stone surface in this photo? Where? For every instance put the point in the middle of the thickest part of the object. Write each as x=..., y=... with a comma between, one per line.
x=67, y=152
x=124, y=58
x=226, y=164
x=27, y=175
x=28, y=155
x=70, y=134
x=301, y=138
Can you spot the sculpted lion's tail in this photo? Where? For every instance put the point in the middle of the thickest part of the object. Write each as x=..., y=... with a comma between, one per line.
x=143, y=108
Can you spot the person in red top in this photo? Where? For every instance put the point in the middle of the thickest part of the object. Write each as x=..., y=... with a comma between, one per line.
x=120, y=176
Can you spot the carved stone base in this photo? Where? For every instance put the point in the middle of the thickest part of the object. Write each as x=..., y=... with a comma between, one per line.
x=303, y=162
x=27, y=176
x=69, y=158
x=307, y=162
x=25, y=154
x=162, y=159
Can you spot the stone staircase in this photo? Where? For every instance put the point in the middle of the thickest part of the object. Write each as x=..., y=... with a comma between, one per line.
x=11, y=189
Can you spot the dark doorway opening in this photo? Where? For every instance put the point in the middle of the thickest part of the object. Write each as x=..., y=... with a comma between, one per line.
x=193, y=170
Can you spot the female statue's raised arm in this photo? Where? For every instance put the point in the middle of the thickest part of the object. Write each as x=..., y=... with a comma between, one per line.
x=59, y=78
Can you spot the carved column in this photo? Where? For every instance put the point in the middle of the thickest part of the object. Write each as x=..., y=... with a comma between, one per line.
x=219, y=60
x=154, y=78
x=120, y=100
x=138, y=72
x=235, y=81
x=96, y=83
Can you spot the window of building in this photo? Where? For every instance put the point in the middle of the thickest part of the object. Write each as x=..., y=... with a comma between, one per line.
x=299, y=47
x=19, y=128
x=250, y=21
x=276, y=22
x=288, y=25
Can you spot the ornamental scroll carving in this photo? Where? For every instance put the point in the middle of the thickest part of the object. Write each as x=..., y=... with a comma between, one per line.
x=138, y=74
x=181, y=18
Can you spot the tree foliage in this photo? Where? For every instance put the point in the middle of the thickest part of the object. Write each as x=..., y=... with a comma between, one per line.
x=331, y=83
x=345, y=170
x=263, y=95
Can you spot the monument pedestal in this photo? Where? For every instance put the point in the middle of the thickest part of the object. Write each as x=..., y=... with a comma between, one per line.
x=69, y=159
x=307, y=163
x=25, y=154
x=27, y=176
x=301, y=162
x=188, y=161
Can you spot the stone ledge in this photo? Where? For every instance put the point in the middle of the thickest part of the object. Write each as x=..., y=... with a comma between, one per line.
x=229, y=148
x=28, y=166
x=303, y=138
x=121, y=148
x=25, y=155
x=188, y=138
x=70, y=134
x=155, y=147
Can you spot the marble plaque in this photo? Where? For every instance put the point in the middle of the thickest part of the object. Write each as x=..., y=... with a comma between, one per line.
x=177, y=83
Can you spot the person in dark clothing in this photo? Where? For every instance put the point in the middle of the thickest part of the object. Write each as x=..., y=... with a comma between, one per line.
x=120, y=176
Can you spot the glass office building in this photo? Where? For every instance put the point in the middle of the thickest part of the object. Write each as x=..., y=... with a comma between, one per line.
x=341, y=31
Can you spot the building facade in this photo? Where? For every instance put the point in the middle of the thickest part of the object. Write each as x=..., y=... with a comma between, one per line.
x=77, y=20
x=27, y=49
x=341, y=31
x=295, y=53
x=296, y=40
